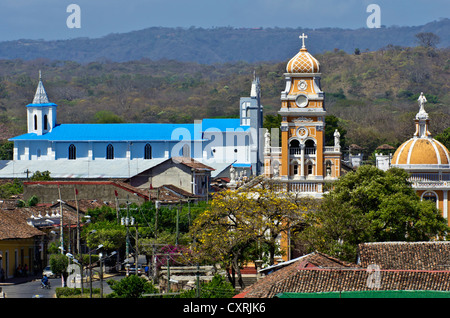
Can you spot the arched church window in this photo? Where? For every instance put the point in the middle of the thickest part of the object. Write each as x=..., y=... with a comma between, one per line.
x=328, y=168
x=148, y=151
x=310, y=147
x=72, y=152
x=35, y=122
x=294, y=147
x=45, y=122
x=431, y=196
x=110, y=152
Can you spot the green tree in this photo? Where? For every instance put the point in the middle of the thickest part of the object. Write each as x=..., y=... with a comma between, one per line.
x=370, y=205
x=58, y=263
x=6, y=150
x=106, y=116
x=331, y=124
x=132, y=286
x=444, y=137
x=41, y=176
x=218, y=287
x=9, y=189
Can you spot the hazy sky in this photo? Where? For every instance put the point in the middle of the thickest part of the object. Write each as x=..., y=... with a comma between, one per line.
x=47, y=19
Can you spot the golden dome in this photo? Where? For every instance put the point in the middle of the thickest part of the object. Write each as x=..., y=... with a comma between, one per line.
x=421, y=151
x=303, y=61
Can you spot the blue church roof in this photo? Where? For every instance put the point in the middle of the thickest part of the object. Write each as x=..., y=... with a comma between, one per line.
x=132, y=131
x=222, y=124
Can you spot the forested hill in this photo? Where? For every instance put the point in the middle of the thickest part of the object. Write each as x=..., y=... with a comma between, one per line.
x=373, y=94
x=218, y=45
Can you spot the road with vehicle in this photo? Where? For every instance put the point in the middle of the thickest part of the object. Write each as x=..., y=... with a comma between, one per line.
x=32, y=289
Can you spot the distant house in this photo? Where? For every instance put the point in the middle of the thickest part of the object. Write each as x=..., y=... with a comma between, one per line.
x=389, y=266
x=21, y=245
x=184, y=173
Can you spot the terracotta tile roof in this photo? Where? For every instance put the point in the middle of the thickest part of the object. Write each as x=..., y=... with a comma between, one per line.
x=406, y=255
x=263, y=287
x=402, y=266
x=13, y=225
x=192, y=163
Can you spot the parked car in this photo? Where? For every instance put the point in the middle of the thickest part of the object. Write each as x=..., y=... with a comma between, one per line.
x=132, y=269
x=48, y=272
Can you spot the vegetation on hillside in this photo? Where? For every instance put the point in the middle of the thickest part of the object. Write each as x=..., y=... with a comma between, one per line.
x=373, y=94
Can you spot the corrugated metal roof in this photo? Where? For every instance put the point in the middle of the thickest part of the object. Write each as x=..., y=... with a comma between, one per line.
x=92, y=169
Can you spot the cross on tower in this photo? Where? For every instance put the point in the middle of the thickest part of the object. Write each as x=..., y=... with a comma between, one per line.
x=303, y=37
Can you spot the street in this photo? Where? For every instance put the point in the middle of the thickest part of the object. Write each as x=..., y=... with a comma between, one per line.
x=32, y=289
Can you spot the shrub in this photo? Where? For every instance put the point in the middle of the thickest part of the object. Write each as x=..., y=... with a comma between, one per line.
x=132, y=286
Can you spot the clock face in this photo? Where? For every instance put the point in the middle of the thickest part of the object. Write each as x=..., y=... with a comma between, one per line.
x=302, y=85
x=301, y=100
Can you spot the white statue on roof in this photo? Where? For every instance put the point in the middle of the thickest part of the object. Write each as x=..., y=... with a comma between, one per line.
x=422, y=100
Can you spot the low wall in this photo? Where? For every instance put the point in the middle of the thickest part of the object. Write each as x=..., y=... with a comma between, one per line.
x=47, y=191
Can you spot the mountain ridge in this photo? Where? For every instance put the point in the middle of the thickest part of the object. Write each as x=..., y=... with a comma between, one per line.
x=218, y=45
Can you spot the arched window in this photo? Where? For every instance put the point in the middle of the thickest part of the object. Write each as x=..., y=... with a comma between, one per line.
x=45, y=122
x=110, y=152
x=148, y=151
x=310, y=147
x=328, y=168
x=72, y=152
x=431, y=196
x=35, y=122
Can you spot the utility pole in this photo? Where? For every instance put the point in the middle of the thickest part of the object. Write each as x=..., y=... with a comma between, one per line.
x=78, y=222
x=61, y=226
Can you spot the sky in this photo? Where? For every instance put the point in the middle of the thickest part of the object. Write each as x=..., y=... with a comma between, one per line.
x=48, y=19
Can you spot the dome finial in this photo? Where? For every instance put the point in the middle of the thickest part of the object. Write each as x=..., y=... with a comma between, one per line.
x=303, y=37
x=422, y=113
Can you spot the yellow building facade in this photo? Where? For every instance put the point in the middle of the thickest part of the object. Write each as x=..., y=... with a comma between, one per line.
x=303, y=163
x=427, y=161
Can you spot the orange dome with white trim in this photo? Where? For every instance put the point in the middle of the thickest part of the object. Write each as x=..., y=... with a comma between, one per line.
x=303, y=61
x=422, y=149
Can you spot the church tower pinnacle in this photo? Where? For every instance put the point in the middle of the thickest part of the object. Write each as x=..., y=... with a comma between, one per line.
x=41, y=114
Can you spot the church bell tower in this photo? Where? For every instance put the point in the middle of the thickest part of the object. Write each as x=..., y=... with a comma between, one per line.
x=303, y=161
x=41, y=114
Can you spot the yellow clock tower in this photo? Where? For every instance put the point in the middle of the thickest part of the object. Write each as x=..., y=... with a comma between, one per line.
x=303, y=163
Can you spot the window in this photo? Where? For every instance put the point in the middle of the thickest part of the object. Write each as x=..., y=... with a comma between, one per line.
x=35, y=122
x=72, y=152
x=110, y=152
x=295, y=169
x=431, y=196
x=310, y=169
x=148, y=151
x=328, y=168
x=45, y=122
